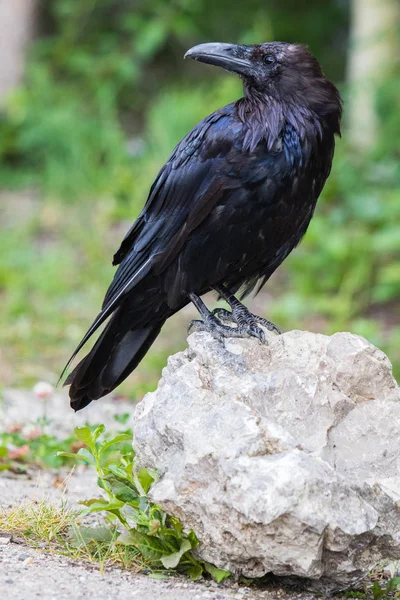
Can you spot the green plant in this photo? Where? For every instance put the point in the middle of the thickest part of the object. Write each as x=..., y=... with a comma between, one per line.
x=21, y=448
x=377, y=591
x=390, y=589
x=138, y=523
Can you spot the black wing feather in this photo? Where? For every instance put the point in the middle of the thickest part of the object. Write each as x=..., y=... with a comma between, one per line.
x=183, y=194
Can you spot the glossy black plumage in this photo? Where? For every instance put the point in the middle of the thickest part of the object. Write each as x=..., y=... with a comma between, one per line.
x=232, y=201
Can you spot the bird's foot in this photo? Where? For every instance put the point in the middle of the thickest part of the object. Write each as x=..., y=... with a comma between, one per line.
x=241, y=315
x=213, y=325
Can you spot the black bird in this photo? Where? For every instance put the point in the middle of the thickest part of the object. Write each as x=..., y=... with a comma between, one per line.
x=232, y=201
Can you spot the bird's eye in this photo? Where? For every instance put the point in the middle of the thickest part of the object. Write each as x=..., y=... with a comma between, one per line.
x=268, y=60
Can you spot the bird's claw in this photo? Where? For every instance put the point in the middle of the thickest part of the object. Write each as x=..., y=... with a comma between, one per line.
x=267, y=324
x=210, y=325
x=198, y=325
x=246, y=318
x=218, y=330
x=257, y=332
x=223, y=315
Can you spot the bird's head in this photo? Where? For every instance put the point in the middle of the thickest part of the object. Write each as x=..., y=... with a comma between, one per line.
x=282, y=70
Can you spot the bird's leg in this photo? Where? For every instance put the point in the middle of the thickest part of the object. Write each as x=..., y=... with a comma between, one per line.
x=214, y=326
x=240, y=314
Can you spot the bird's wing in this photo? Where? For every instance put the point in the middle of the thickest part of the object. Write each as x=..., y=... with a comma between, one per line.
x=183, y=194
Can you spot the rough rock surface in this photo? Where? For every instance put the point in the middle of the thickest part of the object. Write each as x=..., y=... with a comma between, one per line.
x=283, y=458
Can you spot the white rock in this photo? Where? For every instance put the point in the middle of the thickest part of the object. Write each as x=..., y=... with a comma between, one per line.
x=283, y=458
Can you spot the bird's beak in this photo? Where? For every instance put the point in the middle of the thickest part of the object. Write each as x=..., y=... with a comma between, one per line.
x=231, y=57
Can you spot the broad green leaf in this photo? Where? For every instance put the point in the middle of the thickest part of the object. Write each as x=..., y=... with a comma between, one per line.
x=120, y=490
x=103, y=484
x=116, y=482
x=392, y=584
x=75, y=456
x=122, y=437
x=193, y=539
x=121, y=474
x=80, y=536
x=150, y=547
x=176, y=524
x=145, y=479
x=377, y=591
x=87, y=455
x=138, y=484
x=98, y=431
x=171, y=539
x=135, y=515
x=85, y=435
x=195, y=571
x=93, y=500
x=104, y=505
x=172, y=560
x=143, y=503
x=217, y=574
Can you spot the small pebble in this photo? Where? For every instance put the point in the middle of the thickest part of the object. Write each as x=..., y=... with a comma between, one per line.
x=5, y=539
x=9, y=580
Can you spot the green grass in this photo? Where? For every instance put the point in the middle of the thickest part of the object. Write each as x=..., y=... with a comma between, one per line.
x=54, y=271
x=59, y=529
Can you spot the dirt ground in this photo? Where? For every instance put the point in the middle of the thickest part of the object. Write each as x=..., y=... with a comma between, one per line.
x=26, y=574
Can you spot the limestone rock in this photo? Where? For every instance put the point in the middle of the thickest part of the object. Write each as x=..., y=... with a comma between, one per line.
x=282, y=457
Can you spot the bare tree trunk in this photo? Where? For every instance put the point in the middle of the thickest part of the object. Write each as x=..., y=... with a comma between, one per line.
x=373, y=51
x=17, y=27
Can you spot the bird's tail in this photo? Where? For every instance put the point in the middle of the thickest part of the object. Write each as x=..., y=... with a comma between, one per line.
x=117, y=352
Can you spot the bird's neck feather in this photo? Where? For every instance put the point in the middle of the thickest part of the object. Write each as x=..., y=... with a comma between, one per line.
x=264, y=116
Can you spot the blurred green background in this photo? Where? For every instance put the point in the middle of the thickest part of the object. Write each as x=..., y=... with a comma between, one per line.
x=97, y=99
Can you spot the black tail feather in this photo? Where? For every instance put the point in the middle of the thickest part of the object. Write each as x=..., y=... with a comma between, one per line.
x=114, y=356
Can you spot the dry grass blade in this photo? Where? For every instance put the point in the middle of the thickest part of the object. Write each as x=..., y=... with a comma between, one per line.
x=59, y=529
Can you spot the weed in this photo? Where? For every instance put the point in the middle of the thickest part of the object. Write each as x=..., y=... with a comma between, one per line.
x=389, y=590
x=158, y=538
x=377, y=591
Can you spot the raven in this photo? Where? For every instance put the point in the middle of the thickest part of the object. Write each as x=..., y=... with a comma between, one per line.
x=232, y=201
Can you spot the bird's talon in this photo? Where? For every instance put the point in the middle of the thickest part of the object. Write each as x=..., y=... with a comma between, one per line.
x=258, y=333
x=267, y=324
x=261, y=336
x=246, y=324
x=196, y=325
x=223, y=315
